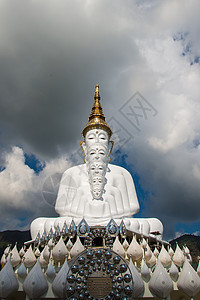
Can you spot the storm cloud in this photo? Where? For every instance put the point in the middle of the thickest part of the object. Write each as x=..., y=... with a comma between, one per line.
x=51, y=56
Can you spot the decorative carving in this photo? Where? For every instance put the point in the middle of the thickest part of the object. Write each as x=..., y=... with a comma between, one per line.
x=112, y=228
x=83, y=228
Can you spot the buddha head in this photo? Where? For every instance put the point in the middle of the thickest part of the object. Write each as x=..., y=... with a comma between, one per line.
x=97, y=153
x=97, y=147
x=97, y=130
x=96, y=136
x=97, y=168
x=97, y=184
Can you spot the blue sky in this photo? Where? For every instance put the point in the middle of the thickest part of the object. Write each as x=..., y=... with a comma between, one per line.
x=145, y=57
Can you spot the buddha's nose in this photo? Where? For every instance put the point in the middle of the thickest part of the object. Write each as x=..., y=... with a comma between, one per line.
x=97, y=139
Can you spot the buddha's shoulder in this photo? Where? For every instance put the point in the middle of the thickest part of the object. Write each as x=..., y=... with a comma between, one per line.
x=114, y=169
x=75, y=170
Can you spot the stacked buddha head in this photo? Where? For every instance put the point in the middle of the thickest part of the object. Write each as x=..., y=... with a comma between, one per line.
x=97, y=148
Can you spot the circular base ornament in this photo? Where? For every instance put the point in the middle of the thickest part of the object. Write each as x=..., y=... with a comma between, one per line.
x=99, y=273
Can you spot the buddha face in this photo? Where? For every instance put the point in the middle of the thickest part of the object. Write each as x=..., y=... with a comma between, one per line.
x=97, y=153
x=96, y=161
x=96, y=168
x=97, y=185
x=96, y=136
x=96, y=193
x=96, y=148
x=97, y=180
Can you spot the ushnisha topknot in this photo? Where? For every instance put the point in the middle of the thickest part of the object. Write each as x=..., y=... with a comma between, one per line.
x=97, y=119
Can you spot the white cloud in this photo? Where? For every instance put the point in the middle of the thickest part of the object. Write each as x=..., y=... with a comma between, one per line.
x=196, y=170
x=16, y=178
x=196, y=233
x=21, y=188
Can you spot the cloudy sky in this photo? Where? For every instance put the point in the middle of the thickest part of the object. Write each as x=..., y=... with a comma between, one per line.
x=145, y=55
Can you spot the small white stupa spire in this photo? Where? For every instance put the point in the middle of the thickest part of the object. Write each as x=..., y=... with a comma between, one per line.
x=160, y=283
x=8, y=281
x=35, y=284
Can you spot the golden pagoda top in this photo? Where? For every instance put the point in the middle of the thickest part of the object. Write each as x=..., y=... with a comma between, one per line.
x=97, y=119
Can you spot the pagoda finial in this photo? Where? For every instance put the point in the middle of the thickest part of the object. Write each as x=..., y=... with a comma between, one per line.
x=97, y=118
x=97, y=95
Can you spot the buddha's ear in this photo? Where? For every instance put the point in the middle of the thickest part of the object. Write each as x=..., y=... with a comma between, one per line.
x=110, y=147
x=83, y=147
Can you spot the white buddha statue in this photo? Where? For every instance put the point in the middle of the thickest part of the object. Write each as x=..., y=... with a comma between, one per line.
x=97, y=190
x=116, y=197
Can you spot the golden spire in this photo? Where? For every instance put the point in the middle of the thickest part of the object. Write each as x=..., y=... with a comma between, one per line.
x=97, y=118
